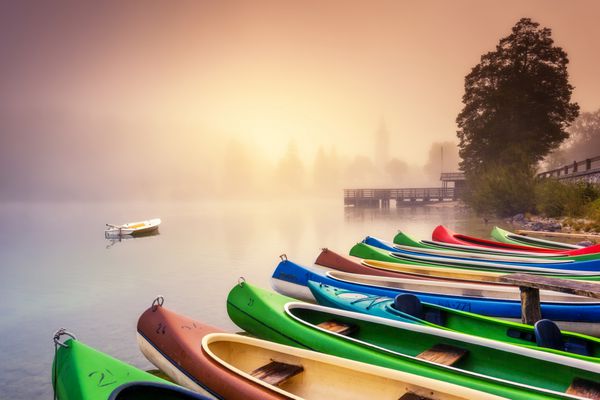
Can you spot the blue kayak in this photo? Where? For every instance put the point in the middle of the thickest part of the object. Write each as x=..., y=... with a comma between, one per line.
x=539, y=266
x=292, y=279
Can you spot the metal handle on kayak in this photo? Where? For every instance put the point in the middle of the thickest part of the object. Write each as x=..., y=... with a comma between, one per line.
x=241, y=281
x=158, y=302
x=283, y=257
x=62, y=332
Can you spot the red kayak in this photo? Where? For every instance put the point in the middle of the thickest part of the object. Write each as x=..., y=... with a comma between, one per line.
x=172, y=342
x=445, y=235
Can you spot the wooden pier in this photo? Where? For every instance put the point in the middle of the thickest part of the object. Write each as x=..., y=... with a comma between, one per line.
x=383, y=197
x=450, y=190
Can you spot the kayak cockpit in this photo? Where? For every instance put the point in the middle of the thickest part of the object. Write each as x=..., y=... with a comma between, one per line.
x=153, y=391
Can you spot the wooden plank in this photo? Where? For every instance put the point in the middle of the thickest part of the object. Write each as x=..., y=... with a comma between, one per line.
x=579, y=288
x=584, y=388
x=559, y=234
x=338, y=327
x=443, y=354
x=531, y=311
x=275, y=372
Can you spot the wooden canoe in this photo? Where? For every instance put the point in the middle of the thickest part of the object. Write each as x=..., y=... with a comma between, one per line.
x=306, y=374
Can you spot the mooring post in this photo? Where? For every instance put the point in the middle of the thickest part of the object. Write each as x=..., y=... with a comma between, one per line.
x=531, y=311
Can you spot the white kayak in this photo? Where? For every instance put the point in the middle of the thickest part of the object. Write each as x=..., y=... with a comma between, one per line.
x=132, y=228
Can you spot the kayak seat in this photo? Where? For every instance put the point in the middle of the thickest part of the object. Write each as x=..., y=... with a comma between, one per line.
x=584, y=388
x=443, y=354
x=578, y=346
x=275, y=372
x=547, y=334
x=409, y=304
x=338, y=327
x=434, y=316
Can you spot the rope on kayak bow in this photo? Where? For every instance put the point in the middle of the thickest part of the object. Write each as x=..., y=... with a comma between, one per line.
x=241, y=281
x=283, y=257
x=158, y=302
x=58, y=334
x=56, y=339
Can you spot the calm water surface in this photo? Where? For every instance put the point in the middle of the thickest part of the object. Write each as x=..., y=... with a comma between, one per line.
x=58, y=270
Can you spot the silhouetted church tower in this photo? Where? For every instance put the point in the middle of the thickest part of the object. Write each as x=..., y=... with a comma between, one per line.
x=382, y=145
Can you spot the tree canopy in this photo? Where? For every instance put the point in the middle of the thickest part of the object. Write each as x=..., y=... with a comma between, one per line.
x=517, y=101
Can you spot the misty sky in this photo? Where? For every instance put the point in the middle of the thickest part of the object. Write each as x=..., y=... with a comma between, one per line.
x=262, y=72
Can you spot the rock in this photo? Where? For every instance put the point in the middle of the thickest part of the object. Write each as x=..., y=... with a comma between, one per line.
x=553, y=226
x=537, y=226
x=518, y=217
x=584, y=243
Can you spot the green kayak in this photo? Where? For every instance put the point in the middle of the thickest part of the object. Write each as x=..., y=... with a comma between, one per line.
x=505, y=236
x=545, y=336
x=402, y=239
x=368, y=252
x=80, y=372
x=482, y=364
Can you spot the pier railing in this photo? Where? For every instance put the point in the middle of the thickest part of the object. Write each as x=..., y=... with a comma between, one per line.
x=577, y=168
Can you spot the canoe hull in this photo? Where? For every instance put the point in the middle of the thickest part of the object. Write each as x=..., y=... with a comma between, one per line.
x=289, y=274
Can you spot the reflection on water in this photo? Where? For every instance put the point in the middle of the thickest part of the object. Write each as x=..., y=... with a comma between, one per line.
x=113, y=239
x=58, y=270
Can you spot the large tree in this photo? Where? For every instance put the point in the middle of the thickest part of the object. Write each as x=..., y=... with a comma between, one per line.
x=517, y=100
x=517, y=104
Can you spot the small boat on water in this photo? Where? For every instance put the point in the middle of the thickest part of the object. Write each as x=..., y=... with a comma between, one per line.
x=501, y=301
x=139, y=228
x=241, y=367
x=482, y=364
x=443, y=234
x=544, y=336
x=80, y=372
x=505, y=236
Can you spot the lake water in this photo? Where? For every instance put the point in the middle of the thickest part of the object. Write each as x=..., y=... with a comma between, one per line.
x=58, y=270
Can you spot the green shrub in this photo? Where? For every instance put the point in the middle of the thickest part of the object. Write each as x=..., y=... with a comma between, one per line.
x=503, y=191
x=593, y=212
x=554, y=198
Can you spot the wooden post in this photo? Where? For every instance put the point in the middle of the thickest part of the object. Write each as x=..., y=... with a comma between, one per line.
x=529, y=285
x=530, y=305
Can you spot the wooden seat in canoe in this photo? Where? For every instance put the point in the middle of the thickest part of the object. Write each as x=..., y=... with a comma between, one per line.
x=584, y=388
x=275, y=372
x=338, y=327
x=443, y=354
